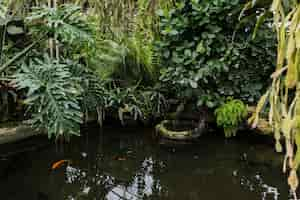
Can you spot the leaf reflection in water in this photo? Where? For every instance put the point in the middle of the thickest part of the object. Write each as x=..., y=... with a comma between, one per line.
x=141, y=186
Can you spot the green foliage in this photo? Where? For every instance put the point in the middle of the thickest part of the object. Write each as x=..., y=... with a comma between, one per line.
x=230, y=115
x=136, y=103
x=125, y=61
x=99, y=76
x=124, y=32
x=283, y=95
x=53, y=96
x=65, y=21
x=208, y=54
x=94, y=95
x=3, y=11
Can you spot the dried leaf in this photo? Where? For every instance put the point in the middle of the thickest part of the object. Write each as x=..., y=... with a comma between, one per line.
x=293, y=180
x=259, y=107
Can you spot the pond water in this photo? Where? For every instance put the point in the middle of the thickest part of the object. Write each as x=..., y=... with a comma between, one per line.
x=130, y=164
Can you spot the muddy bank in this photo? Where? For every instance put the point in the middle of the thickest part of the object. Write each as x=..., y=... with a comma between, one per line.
x=13, y=132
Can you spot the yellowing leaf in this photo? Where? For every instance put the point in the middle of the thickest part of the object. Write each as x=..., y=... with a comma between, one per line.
x=297, y=38
x=295, y=20
x=292, y=76
x=286, y=127
x=281, y=47
x=293, y=180
x=259, y=107
x=275, y=5
x=291, y=47
x=278, y=72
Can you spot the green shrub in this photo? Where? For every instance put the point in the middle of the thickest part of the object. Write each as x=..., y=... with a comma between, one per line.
x=230, y=115
x=207, y=53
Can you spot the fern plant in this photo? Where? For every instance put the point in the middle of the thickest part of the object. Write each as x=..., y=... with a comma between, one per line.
x=53, y=96
x=230, y=115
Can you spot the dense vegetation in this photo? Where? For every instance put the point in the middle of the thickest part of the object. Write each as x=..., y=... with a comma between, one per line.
x=208, y=54
x=282, y=98
x=66, y=68
x=63, y=63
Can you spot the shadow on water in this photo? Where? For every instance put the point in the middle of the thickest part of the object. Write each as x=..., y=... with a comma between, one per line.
x=129, y=164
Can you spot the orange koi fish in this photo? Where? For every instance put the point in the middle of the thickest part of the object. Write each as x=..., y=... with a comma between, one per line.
x=59, y=164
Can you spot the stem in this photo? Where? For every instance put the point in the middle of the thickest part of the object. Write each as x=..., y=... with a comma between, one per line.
x=51, y=45
x=55, y=38
x=3, y=42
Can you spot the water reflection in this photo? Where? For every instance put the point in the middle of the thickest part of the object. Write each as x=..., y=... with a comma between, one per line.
x=142, y=186
x=256, y=183
x=123, y=165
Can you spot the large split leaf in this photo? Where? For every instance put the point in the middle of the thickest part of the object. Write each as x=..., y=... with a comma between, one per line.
x=52, y=97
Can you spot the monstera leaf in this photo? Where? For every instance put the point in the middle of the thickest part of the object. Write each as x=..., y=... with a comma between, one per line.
x=53, y=97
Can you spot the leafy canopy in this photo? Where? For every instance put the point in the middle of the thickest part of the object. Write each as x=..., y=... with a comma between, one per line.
x=208, y=54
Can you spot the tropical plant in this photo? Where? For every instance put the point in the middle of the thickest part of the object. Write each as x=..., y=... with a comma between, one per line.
x=125, y=33
x=53, y=96
x=204, y=55
x=54, y=87
x=94, y=95
x=64, y=22
x=230, y=115
x=284, y=92
x=154, y=103
x=124, y=61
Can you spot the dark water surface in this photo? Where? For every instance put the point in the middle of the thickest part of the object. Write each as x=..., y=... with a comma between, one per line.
x=130, y=164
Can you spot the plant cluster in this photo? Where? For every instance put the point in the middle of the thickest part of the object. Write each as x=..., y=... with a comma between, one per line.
x=230, y=115
x=282, y=97
x=61, y=93
x=207, y=52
